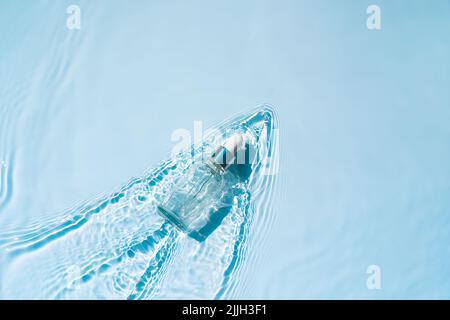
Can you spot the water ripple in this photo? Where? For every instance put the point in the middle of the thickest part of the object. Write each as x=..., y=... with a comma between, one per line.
x=6, y=181
x=118, y=247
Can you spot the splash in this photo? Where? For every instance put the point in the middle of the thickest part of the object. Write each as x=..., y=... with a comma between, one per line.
x=119, y=247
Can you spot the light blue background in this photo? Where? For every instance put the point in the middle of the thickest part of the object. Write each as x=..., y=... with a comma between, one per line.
x=364, y=123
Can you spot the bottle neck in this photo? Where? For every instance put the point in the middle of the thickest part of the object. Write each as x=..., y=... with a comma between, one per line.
x=220, y=160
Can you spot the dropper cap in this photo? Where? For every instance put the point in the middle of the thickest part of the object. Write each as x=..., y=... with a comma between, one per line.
x=234, y=143
x=225, y=154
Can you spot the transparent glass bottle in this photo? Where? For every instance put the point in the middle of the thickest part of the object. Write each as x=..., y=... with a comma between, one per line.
x=196, y=202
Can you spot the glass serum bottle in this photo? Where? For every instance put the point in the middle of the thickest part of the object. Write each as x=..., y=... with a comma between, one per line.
x=197, y=199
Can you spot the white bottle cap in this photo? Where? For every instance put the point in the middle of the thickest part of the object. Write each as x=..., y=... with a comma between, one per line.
x=226, y=153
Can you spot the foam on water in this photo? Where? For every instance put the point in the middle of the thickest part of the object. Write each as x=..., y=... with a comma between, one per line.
x=118, y=247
